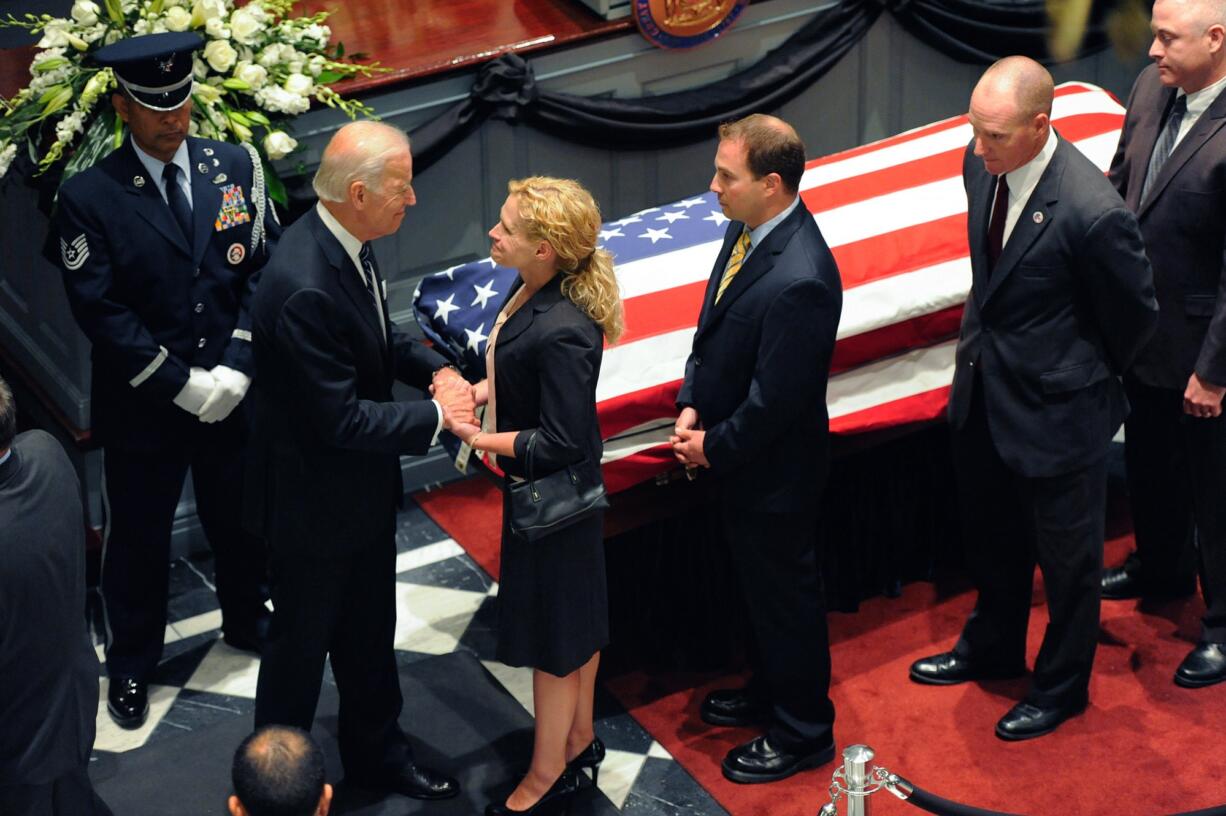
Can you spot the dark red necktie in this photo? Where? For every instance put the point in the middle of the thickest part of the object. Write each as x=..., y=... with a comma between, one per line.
x=996, y=227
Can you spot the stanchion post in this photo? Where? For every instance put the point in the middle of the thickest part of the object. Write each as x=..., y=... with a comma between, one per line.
x=856, y=759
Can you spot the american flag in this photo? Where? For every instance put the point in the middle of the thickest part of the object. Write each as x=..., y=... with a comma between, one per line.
x=893, y=213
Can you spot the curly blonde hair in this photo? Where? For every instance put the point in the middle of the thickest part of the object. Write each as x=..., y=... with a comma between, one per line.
x=563, y=213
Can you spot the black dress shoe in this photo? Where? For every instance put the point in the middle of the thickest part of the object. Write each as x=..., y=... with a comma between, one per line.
x=248, y=636
x=1026, y=720
x=589, y=757
x=555, y=802
x=127, y=701
x=948, y=668
x=759, y=761
x=418, y=782
x=1204, y=666
x=733, y=707
x=1123, y=584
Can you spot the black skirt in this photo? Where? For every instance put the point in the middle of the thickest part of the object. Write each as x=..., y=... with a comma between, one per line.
x=553, y=604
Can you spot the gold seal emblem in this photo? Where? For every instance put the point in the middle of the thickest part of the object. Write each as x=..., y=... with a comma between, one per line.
x=685, y=23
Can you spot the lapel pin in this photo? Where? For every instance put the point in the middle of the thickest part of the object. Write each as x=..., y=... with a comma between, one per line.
x=139, y=181
x=208, y=151
x=1037, y=217
x=220, y=178
x=202, y=167
x=235, y=254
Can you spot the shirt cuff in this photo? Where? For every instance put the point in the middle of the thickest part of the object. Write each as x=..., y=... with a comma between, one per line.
x=439, y=426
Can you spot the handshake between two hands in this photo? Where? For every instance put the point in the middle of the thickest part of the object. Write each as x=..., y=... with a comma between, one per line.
x=457, y=397
x=213, y=393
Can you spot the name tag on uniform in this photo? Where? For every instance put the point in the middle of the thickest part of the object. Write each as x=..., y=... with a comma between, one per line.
x=233, y=208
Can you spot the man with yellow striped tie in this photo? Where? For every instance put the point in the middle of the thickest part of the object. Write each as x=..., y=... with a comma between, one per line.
x=753, y=412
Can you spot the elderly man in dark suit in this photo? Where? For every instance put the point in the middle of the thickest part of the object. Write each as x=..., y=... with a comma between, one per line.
x=1061, y=301
x=48, y=670
x=1171, y=170
x=161, y=244
x=753, y=411
x=330, y=435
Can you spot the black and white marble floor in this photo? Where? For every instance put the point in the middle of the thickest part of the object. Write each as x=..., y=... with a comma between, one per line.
x=445, y=603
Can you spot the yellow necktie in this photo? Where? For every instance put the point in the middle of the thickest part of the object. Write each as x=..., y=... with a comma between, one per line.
x=734, y=263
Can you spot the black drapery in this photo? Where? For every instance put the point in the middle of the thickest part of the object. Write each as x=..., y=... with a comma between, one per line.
x=971, y=31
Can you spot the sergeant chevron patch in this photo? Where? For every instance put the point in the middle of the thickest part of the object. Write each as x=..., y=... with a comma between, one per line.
x=75, y=254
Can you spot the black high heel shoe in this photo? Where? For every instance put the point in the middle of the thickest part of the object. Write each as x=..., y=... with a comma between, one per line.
x=589, y=757
x=555, y=802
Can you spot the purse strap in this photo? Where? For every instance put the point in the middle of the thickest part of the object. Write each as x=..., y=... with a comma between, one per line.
x=528, y=456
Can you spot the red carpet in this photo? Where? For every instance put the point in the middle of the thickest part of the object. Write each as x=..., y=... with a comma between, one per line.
x=1143, y=746
x=470, y=512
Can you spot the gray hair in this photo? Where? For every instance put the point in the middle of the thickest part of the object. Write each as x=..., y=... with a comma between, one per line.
x=8, y=416
x=359, y=151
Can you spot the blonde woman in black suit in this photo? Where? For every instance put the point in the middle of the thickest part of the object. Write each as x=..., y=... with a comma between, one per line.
x=542, y=364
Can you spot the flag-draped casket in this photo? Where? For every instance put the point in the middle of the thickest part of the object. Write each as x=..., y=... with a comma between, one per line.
x=894, y=214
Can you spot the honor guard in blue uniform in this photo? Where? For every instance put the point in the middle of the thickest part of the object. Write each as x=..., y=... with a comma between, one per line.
x=161, y=245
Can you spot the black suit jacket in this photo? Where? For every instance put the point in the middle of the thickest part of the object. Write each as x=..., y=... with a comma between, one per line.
x=546, y=365
x=48, y=670
x=152, y=306
x=758, y=370
x=1183, y=222
x=1064, y=312
x=328, y=432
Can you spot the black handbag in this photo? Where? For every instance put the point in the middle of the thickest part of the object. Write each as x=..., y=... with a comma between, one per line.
x=543, y=506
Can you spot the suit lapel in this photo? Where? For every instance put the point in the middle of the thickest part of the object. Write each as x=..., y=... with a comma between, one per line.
x=149, y=203
x=544, y=300
x=730, y=237
x=206, y=199
x=1033, y=220
x=1145, y=136
x=980, y=191
x=1209, y=123
x=760, y=261
x=346, y=273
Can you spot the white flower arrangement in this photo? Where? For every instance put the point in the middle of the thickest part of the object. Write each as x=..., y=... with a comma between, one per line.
x=259, y=67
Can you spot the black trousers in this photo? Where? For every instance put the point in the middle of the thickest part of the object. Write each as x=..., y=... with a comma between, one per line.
x=776, y=561
x=69, y=795
x=1011, y=521
x=140, y=491
x=1177, y=484
x=344, y=608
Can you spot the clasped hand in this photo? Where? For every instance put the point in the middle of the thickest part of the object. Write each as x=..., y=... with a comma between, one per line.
x=456, y=396
x=688, y=439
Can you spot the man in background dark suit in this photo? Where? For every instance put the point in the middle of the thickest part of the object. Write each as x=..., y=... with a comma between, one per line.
x=1171, y=170
x=753, y=410
x=329, y=437
x=48, y=670
x=161, y=244
x=1061, y=301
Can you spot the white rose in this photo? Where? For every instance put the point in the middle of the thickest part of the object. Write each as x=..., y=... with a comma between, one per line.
x=244, y=26
x=279, y=144
x=216, y=29
x=296, y=66
x=315, y=65
x=220, y=56
x=270, y=56
x=299, y=84
x=253, y=75
x=85, y=12
x=178, y=18
x=205, y=10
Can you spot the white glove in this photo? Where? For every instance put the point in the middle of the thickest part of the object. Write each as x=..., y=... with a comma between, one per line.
x=200, y=385
x=229, y=392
